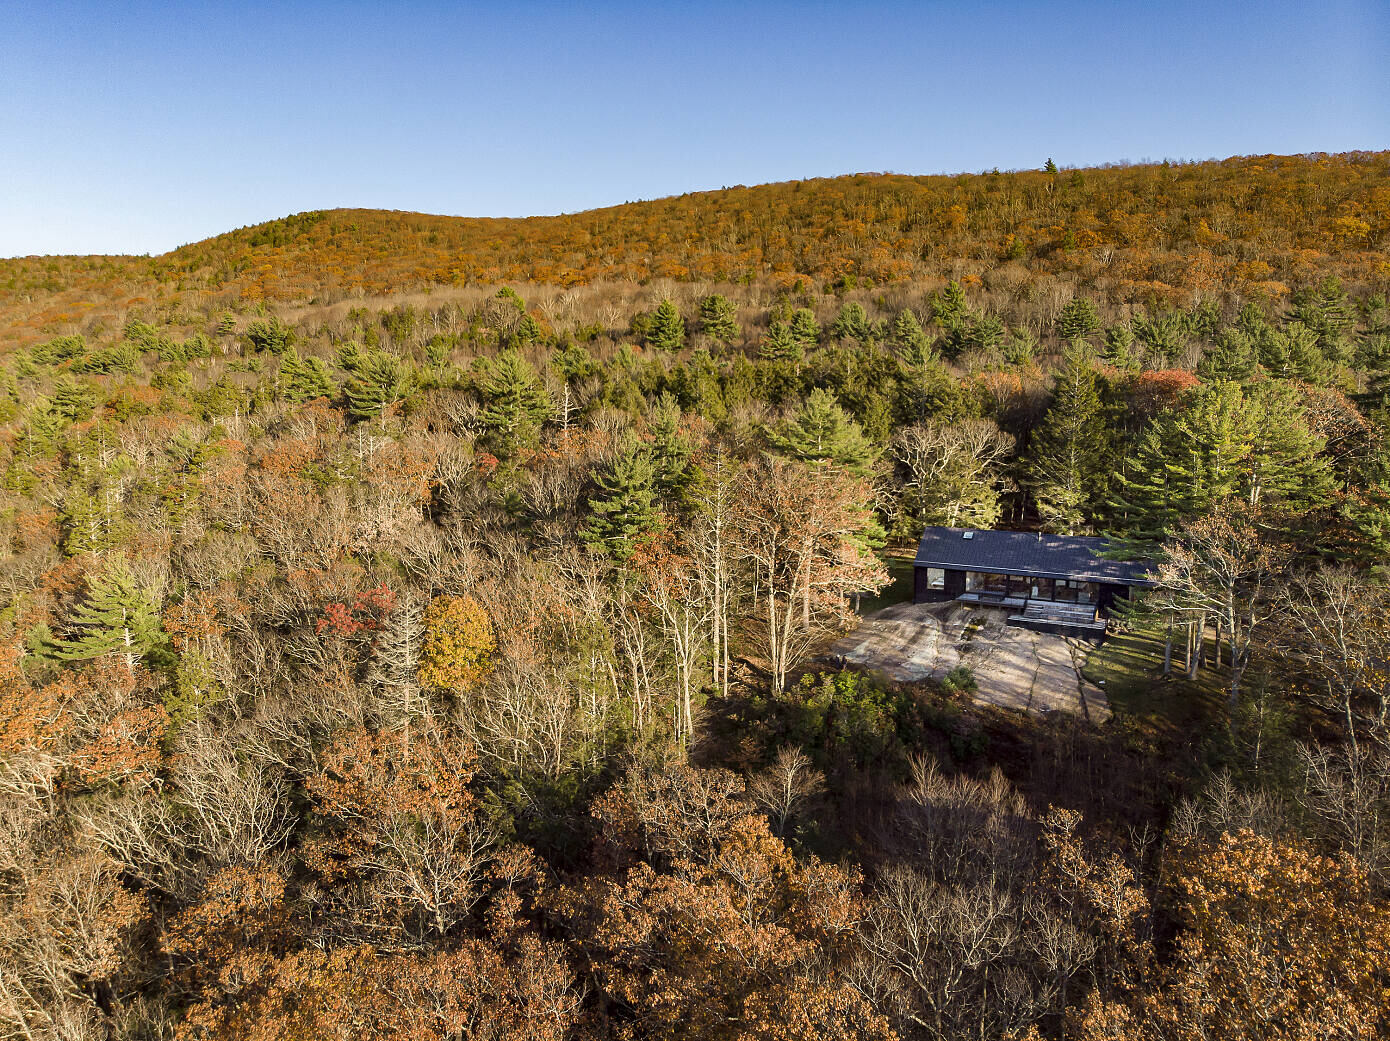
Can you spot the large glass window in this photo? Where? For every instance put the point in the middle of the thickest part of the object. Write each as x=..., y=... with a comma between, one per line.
x=936, y=578
x=1073, y=592
x=991, y=583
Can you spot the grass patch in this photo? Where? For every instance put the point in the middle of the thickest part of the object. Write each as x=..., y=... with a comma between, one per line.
x=1128, y=666
x=897, y=591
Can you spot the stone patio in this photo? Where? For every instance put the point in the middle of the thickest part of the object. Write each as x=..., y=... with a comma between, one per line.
x=1015, y=668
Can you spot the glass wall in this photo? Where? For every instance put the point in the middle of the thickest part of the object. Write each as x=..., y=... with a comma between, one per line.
x=986, y=582
x=1073, y=592
x=1067, y=591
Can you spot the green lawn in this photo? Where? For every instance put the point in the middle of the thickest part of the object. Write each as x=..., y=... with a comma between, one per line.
x=1129, y=667
x=897, y=591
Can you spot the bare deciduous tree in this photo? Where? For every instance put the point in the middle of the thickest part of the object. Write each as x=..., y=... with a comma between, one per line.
x=1334, y=624
x=784, y=788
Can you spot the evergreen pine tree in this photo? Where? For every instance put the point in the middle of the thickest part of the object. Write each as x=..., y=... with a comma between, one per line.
x=667, y=329
x=1306, y=360
x=1326, y=312
x=1120, y=349
x=269, y=334
x=1251, y=321
x=304, y=379
x=514, y=403
x=1078, y=319
x=1204, y=320
x=1231, y=356
x=953, y=316
x=1067, y=470
x=670, y=450
x=822, y=432
x=116, y=618
x=778, y=344
x=1021, y=347
x=438, y=350
x=1373, y=355
x=805, y=330
x=43, y=423
x=92, y=518
x=527, y=331
x=41, y=646
x=1287, y=464
x=1185, y=461
x=1225, y=442
x=697, y=382
x=908, y=338
x=1367, y=510
x=950, y=308
x=72, y=400
x=624, y=512
x=719, y=319
x=574, y=362
x=351, y=357
x=986, y=333
x=378, y=381
x=852, y=323
x=1164, y=334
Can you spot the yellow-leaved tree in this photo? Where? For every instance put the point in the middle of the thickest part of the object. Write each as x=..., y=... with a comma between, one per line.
x=459, y=644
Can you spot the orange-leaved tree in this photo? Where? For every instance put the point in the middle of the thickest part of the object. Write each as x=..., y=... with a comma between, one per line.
x=1277, y=943
x=704, y=924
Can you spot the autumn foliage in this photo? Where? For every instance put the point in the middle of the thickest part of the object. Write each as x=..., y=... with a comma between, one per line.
x=458, y=645
x=418, y=627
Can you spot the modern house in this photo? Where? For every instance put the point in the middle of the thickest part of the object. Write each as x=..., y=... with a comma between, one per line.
x=1054, y=583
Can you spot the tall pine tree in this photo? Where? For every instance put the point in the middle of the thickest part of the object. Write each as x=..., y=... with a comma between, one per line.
x=822, y=432
x=117, y=618
x=719, y=319
x=514, y=404
x=304, y=379
x=805, y=330
x=667, y=329
x=778, y=344
x=670, y=450
x=624, y=512
x=1068, y=464
x=377, y=381
x=911, y=343
x=1225, y=442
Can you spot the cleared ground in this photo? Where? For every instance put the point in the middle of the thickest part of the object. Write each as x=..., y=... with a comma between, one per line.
x=1015, y=668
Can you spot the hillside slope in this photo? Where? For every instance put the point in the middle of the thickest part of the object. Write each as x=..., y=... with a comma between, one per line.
x=1251, y=226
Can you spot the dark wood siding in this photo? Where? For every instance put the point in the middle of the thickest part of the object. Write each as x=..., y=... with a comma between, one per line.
x=922, y=594
x=955, y=583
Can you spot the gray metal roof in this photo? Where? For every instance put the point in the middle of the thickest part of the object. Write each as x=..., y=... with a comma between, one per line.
x=1029, y=553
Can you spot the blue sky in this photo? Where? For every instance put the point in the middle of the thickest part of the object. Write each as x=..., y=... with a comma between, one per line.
x=136, y=127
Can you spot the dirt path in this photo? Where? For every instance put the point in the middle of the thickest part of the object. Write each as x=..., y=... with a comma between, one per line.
x=1014, y=668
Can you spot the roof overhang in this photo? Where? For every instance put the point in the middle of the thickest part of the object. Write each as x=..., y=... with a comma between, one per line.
x=1074, y=576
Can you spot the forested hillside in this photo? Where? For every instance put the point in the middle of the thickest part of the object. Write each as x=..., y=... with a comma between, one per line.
x=417, y=627
x=1160, y=233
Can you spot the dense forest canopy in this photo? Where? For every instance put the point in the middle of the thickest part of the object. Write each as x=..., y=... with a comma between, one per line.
x=417, y=627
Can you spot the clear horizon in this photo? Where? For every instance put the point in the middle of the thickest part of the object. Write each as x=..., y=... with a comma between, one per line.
x=139, y=130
